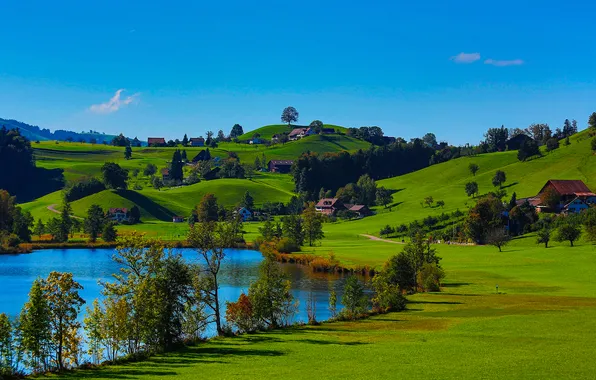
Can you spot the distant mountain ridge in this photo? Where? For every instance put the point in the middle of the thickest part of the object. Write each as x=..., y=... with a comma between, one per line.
x=35, y=133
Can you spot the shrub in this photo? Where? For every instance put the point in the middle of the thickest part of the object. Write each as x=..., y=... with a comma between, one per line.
x=240, y=314
x=594, y=144
x=387, y=297
x=285, y=245
x=354, y=299
x=430, y=277
x=552, y=144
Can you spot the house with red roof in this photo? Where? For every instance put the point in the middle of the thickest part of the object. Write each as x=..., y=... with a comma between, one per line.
x=331, y=206
x=156, y=141
x=574, y=195
x=118, y=214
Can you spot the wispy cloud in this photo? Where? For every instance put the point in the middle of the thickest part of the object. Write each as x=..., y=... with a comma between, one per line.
x=114, y=104
x=496, y=62
x=466, y=57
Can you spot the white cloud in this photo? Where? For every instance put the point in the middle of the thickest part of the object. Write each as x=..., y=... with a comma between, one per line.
x=466, y=57
x=114, y=104
x=496, y=62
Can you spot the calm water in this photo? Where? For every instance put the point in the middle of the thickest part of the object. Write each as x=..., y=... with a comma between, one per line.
x=89, y=266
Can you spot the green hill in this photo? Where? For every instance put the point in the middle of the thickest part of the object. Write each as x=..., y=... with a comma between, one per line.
x=446, y=182
x=268, y=131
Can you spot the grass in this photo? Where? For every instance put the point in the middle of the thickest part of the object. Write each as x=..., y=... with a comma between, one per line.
x=538, y=326
x=268, y=131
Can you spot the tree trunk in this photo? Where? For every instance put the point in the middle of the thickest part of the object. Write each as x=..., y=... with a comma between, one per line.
x=217, y=312
x=571, y=241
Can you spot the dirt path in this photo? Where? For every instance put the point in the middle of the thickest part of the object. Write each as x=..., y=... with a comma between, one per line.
x=376, y=238
x=52, y=208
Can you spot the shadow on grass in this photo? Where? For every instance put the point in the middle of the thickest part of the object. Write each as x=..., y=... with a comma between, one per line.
x=509, y=185
x=159, y=212
x=435, y=303
x=455, y=284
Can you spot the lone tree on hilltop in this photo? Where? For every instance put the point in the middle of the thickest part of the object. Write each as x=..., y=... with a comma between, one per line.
x=289, y=115
x=473, y=168
x=236, y=131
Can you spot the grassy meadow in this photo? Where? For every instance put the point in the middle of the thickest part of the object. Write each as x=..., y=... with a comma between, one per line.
x=540, y=325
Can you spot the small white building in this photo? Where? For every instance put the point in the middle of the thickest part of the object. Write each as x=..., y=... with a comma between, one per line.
x=177, y=219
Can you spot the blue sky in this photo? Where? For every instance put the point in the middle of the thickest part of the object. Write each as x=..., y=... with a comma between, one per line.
x=188, y=67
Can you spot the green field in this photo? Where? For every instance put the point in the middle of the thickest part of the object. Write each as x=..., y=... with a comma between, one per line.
x=268, y=131
x=539, y=326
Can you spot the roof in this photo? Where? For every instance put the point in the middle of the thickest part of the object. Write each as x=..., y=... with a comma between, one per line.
x=114, y=210
x=165, y=171
x=198, y=139
x=156, y=140
x=358, y=208
x=298, y=131
x=327, y=202
x=281, y=162
x=568, y=187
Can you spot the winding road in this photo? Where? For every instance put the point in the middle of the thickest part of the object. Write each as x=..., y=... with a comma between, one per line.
x=52, y=208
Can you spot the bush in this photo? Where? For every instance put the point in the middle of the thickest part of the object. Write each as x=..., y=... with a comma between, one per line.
x=552, y=144
x=286, y=245
x=83, y=189
x=240, y=314
x=594, y=144
x=430, y=277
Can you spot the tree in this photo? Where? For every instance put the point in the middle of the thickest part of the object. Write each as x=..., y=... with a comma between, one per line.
x=185, y=140
x=221, y=136
x=184, y=156
x=135, y=215
x=236, y=131
x=120, y=140
x=127, y=152
x=94, y=222
x=8, y=354
x=247, y=201
x=593, y=144
x=317, y=126
x=383, y=196
x=527, y=149
x=150, y=170
x=94, y=328
x=313, y=224
x=568, y=232
x=65, y=222
x=354, y=299
x=64, y=304
x=40, y=228
x=35, y=330
x=499, y=179
x=333, y=303
x=293, y=229
x=114, y=177
x=241, y=314
x=541, y=133
x=419, y=252
x=496, y=139
x=211, y=239
x=473, y=168
x=272, y=301
x=157, y=183
x=289, y=115
x=498, y=238
x=176, y=166
x=367, y=189
x=550, y=198
x=429, y=201
x=430, y=140
x=589, y=222
x=207, y=208
x=471, y=188
x=483, y=218
x=592, y=121
x=552, y=144
x=543, y=236
x=109, y=234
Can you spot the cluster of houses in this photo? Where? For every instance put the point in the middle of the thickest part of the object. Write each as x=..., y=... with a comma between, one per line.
x=332, y=206
x=161, y=142
x=574, y=196
x=298, y=133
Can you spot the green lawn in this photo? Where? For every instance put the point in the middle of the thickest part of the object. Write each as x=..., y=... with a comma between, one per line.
x=539, y=326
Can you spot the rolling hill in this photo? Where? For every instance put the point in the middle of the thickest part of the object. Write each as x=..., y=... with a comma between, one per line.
x=268, y=131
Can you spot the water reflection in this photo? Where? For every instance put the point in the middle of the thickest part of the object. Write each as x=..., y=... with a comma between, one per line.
x=89, y=266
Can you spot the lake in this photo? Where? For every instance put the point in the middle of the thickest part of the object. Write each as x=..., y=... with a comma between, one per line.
x=89, y=266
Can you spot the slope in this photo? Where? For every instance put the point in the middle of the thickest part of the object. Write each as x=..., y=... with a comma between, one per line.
x=267, y=131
